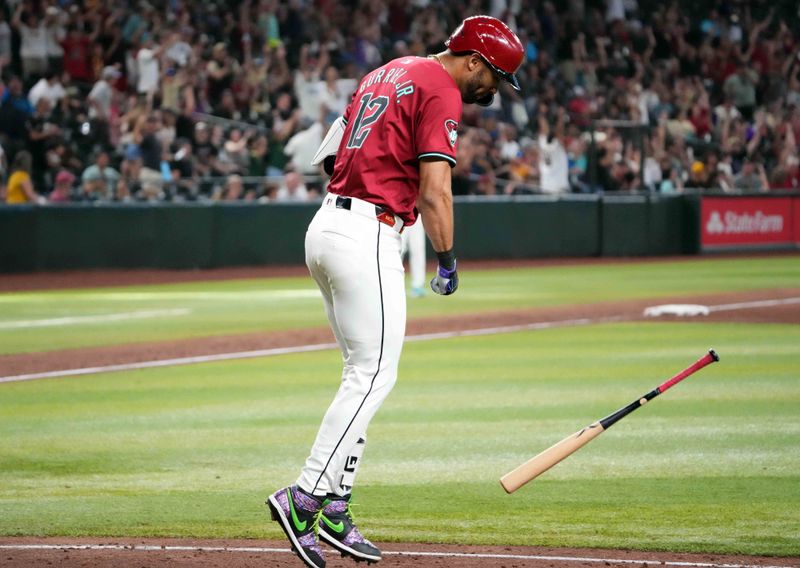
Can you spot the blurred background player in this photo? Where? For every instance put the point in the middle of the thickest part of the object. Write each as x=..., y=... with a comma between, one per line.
x=414, y=247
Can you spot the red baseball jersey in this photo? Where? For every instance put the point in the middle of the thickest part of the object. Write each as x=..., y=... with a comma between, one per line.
x=406, y=110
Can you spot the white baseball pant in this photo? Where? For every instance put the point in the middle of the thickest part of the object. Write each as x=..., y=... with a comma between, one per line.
x=355, y=260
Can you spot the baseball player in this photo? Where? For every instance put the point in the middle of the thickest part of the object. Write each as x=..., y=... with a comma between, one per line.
x=414, y=246
x=391, y=155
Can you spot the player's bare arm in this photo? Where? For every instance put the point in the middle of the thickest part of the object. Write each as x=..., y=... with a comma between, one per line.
x=435, y=202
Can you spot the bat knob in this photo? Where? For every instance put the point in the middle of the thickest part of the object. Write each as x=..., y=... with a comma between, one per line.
x=713, y=354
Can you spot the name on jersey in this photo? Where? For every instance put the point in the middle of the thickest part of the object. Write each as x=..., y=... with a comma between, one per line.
x=393, y=76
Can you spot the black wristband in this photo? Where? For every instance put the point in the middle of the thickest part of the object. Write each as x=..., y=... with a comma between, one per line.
x=447, y=259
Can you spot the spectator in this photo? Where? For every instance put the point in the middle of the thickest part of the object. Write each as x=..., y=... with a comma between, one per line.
x=730, y=89
x=751, y=178
x=129, y=169
x=48, y=87
x=5, y=42
x=204, y=151
x=147, y=67
x=15, y=110
x=699, y=176
x=179, y=52
x=292, y=189
x=20, y=187
x=100, y=100
x=99, y=181
x=33, y=41
x=284, y=120
x=226, y=107
x=333, y=97
x=258, y=148
x=55, y=33
x=302, y=146
x=235, y=149
x=14, y=96
x=173, y=81
x=307, y=80
x=553, y=159
x=220, y=71
x=150, y=176
x=671, y=182
x=235, y=190
x=577, y=162
x=102, y=93
x=77, y=49
x=741, y=88
x=486, y=185
x=62, y=188
x=43, y=132
x=508, y=143
x=167, y=131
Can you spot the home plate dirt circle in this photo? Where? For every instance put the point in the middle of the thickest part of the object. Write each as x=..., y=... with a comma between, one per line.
x=111, y=553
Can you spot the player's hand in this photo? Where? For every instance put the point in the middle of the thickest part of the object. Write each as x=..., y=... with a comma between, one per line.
x=446, y=281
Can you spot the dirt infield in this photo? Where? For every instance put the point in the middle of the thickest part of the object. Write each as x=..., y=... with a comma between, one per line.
x=122, y=553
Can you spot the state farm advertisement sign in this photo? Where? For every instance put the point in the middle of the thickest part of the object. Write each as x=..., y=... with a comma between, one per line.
x=747, y=221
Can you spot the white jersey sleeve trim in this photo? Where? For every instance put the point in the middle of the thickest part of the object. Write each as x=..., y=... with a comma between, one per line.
x=450, y=159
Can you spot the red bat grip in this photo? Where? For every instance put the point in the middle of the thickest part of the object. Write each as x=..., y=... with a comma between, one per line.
x=708, y=358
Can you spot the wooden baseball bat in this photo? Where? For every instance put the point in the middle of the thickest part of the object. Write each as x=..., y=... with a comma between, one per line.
x=537, y=465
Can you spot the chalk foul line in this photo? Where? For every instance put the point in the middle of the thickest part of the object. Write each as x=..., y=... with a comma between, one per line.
x=169, y=362
x=428, y=554
x=100, y=318
x=754, y=304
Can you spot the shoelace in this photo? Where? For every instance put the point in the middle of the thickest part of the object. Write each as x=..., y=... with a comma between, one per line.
x=349, y=512
x=317, y=517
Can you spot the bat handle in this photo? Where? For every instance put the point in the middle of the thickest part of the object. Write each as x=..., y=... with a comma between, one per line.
x=708, y=358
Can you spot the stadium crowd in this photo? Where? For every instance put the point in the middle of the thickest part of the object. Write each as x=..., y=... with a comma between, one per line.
x=177, y=100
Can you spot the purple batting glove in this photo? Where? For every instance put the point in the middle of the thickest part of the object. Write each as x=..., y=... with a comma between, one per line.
x=445, y=282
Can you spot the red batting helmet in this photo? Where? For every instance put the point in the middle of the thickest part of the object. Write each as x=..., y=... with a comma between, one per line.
x=494, y=41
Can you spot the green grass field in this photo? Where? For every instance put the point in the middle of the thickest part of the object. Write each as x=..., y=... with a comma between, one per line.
x=712, y=466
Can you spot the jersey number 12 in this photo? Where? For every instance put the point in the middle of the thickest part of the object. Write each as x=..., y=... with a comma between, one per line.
x=370, y=110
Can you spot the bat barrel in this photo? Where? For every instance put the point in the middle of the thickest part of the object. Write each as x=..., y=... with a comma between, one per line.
x=537, y=465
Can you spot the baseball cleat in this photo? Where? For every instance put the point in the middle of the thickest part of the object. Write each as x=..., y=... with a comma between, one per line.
x=298, y=515
x=336, y=527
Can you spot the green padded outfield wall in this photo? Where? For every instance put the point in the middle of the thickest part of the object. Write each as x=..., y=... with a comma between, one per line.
x=80, y=236
x=246, y=234
x=18, y=240
x=527, y=227
x=642, y=225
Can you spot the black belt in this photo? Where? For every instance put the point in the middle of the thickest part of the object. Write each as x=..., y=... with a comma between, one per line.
x=346, y=203
x=384, y=216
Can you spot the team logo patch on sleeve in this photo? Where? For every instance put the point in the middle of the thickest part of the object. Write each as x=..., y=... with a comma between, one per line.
x=451, y=127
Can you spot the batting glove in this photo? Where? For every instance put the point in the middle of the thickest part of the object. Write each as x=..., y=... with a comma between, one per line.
x=446, y=280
